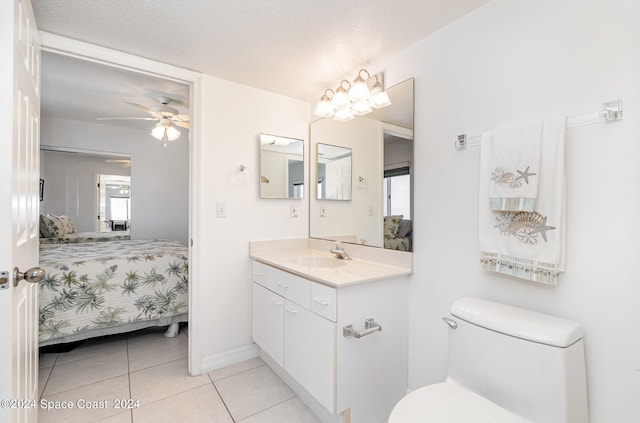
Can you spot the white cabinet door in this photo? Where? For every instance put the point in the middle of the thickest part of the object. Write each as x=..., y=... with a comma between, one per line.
x=268, y=322
x=309, y=352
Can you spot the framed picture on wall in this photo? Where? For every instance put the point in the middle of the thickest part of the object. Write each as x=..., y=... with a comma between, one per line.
x=41, y=189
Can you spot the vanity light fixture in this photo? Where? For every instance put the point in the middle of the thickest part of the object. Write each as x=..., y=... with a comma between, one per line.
x=349, y=100
x=164, y=131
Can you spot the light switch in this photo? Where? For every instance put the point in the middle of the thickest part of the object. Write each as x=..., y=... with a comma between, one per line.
x=293, y=210
x=221, y=209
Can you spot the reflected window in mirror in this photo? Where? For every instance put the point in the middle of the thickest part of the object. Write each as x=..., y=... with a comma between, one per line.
x=380, y=212
x=281, y=167
x=334, y=172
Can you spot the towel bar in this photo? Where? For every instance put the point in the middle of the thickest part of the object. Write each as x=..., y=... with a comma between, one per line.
x=370, y=326
x=612, y=111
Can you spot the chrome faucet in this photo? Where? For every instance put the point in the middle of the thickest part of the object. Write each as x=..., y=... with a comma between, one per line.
x=340, y=252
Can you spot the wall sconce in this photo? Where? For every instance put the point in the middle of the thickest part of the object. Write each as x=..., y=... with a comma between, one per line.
x=349, y=100
x=164, y=131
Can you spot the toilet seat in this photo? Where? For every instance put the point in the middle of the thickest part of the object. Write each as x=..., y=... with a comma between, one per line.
x=451, y=403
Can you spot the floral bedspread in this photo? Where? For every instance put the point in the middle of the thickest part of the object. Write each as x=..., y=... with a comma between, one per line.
x=96, y=288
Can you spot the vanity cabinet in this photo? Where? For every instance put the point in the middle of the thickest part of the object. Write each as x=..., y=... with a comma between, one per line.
x=298, y=339
x=298, y=324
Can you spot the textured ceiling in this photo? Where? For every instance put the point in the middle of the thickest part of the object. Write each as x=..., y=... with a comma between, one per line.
x=290, y=47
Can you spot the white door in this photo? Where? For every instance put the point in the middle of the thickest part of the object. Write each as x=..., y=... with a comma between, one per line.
x=19, y=208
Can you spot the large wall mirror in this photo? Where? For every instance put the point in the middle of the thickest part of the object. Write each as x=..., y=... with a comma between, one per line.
x=379, y=212
x=94, y=190
x=281, y=167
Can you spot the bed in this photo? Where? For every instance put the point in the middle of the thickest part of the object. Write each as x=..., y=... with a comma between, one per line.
x=60, y=229
x=101, y=288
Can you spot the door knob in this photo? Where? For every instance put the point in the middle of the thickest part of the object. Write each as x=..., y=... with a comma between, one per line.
x=33, y=275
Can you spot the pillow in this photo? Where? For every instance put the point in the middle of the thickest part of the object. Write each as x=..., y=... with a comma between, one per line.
x=404, y=228
x=54, y=226
x=68, y=224
x=391, y=224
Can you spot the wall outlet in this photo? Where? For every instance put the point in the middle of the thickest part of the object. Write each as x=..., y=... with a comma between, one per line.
x=370, y=210
x=293, y=210
x=323, y=211
x=221, y=209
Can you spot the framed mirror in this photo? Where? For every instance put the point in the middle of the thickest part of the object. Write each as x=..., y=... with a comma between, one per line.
x=281, y=167
x=380, y=210
x=333, y=170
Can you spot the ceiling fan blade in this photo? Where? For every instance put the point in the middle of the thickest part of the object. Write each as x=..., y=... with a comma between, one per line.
x=126, y=118
x=181, y=124
x=182, y=118
x=146, y=109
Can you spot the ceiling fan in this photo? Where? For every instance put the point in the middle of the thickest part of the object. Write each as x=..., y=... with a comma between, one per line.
x=166, y=116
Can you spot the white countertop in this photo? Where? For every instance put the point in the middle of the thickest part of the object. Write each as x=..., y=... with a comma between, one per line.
x=349, y=272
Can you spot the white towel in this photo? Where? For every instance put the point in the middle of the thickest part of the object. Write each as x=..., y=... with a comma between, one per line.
x=513, y=154
x=527, y=244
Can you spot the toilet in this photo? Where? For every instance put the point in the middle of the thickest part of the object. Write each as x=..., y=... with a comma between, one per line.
x=506, y=365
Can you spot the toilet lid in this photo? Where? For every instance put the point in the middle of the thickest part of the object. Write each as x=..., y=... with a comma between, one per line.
x=451, y=403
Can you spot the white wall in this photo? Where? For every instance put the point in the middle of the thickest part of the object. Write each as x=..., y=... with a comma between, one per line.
x=507, y=61
x=230, y=131
x=159, y=176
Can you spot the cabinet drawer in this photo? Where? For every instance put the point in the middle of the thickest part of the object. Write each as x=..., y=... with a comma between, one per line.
x=286, y=284
x=323, y=301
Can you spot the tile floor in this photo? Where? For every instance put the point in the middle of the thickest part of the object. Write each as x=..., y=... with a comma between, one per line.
x=148, y=368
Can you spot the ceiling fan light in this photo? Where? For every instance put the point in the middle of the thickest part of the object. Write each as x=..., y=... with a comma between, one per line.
x=158, y=131
x=172, y=133
x=164, y=131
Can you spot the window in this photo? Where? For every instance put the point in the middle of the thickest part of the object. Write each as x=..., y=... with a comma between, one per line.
x=120, y=208
x=397, y=192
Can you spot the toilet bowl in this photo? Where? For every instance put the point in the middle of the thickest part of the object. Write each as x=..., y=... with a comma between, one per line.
x=451, y=403
x=505, y=365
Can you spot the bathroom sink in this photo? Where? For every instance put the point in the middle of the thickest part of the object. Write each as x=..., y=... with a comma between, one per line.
x=315, y=261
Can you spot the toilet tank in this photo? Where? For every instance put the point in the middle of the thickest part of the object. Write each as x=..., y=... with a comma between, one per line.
x=529, y=363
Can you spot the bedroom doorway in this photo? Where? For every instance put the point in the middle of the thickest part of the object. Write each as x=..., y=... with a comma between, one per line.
x=154, y=151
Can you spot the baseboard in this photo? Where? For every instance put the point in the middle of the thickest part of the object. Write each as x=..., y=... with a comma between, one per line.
x=227, y=358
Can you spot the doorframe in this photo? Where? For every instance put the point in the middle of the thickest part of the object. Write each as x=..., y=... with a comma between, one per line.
x=57, y=44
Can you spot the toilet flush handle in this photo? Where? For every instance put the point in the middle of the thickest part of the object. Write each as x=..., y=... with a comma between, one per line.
x=452, y=323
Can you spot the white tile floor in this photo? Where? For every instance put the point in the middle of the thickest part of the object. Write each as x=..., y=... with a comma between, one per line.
x=148, y=368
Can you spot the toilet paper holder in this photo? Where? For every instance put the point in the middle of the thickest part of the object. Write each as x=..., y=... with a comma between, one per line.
x=370, y=326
